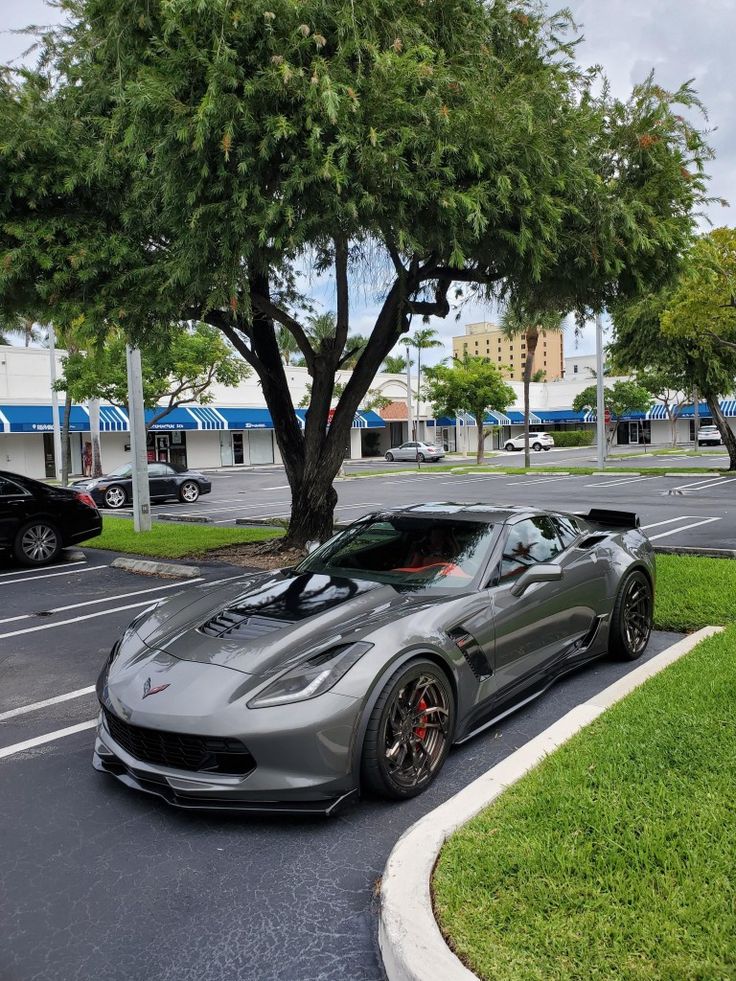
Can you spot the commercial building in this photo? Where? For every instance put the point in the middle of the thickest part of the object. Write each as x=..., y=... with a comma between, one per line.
x=487, y=340
x=236, y=429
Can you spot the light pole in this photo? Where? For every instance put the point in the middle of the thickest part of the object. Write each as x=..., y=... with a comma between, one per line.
x=136, y=413
x=600, y=400
x=55, y=403
x=409, y=413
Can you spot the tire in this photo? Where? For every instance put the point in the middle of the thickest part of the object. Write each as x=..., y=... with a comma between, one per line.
x=37, y=543
x=628, y=640
x=402, y=781
x=509, y=447
x=115, y=497
x=536, y=447
x=390, y=457
x=189, y=492
x=547, y=449
x=421, y=457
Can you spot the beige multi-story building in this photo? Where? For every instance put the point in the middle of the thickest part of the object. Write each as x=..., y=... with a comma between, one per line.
x=487, y=340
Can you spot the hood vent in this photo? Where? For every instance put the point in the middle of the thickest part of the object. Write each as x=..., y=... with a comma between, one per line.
x=230, y=623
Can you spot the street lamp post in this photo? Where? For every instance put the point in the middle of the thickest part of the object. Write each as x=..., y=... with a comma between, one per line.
x=55, y=404
x=141, y=490
x=600, y=400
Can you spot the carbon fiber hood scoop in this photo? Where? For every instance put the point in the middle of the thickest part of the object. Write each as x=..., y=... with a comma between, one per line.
x=233, y=623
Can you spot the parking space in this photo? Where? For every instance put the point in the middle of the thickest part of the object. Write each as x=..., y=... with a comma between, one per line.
x=101, y=882
x=688, y=511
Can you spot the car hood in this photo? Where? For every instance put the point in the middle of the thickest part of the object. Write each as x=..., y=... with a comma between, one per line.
x=259, y=625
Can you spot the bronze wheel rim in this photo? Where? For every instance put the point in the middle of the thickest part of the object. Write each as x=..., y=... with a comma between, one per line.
x=416, y=731
x=637, y=615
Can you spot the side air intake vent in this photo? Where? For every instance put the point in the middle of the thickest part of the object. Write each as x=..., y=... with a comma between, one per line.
x=472, y=652
x=231, y=623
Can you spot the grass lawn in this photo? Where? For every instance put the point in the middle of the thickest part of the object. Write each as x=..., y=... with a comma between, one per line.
x=472, y=468
x=694, y=592
x=615, y=858
x=173, y=541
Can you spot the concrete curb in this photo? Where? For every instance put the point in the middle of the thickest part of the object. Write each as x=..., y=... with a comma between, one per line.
x=167, y=570
x=196, y=519
x=708, y=553
x=699, y=473
x=412, y=947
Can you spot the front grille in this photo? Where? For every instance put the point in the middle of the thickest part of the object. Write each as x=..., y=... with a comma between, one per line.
x=179, y=751
x=231, y=623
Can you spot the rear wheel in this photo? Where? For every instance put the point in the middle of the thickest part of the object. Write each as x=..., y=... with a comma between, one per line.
x=509, y=447
x=547, y=448
x=421, y=457
x=37, y=543
x=536, y=447
x=390, y=457
x=189, y=492
x=409, y=732
x=631, y=620
x=115, y=497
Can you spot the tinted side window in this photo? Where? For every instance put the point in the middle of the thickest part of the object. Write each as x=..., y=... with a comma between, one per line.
x=530, y=542
x=567, y=529
x=157, y=470
x=9, y=488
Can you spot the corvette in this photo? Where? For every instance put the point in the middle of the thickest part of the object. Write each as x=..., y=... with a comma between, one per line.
x=357, y=670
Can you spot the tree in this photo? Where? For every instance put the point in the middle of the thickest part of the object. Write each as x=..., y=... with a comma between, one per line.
x=180, y=371
x=669, y=386
x=687, y=329
x=471, y=385
x=288, y=346
x=423, y=339
x=23, y=326
x=623, y=398
x=394, y=364
x=527, y=322
x=179, y=161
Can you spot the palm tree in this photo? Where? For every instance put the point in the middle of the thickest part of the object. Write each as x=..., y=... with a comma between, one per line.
x=423, y=339
x=22, y=326
x=288, y=346
x=394, y=364
x=518, y=320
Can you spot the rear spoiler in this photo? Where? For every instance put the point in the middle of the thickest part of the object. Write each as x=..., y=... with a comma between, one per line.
x=612, y=519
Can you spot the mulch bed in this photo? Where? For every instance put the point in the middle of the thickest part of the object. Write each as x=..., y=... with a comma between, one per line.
x=258, y=555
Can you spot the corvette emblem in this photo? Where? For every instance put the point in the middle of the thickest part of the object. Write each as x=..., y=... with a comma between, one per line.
x=147, y=690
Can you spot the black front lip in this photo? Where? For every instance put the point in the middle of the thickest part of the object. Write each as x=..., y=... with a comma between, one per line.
x=160, y=788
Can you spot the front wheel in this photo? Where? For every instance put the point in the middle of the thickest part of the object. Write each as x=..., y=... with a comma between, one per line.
x=189, y=492
x=115, y=497
x=631, y=620
x=390, y=457
x=409, y=732
x=37, y=543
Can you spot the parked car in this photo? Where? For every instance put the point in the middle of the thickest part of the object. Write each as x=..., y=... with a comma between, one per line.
x=357, y=670
x=537, y=442
x=415, y=451
x=37, y=521
x=709, y=436
x=115, y=489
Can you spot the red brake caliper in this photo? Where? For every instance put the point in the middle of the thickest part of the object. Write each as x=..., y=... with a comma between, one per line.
x=421, y=729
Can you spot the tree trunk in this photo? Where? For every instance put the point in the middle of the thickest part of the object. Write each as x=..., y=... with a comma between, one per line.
x=673, y=423
x=94, y=425
x=66, y=454
x=727, y=434
x=480, y=449
x=532, y=339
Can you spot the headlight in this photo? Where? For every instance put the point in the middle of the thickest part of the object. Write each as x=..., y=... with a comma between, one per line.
x=312, y=677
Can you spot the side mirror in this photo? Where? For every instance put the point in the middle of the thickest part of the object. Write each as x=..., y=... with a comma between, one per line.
x=546, y=572
x=312, y=547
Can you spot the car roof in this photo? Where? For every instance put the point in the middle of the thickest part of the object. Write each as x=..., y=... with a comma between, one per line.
x=493, y=514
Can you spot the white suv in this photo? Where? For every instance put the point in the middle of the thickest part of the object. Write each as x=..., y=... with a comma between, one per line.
x=709, y=436
x=537, y=442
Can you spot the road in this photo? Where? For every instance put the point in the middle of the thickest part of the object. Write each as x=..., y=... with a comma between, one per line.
x=694, y=511
x=102, y=883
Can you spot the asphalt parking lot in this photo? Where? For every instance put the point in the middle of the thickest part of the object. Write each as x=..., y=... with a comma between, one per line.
x=101, y=882
x=692, y=511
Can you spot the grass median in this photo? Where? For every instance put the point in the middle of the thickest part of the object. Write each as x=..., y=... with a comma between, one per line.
x=173, y=541
x=615, y=857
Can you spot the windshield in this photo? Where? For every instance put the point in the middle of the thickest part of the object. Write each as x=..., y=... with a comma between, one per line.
x=407, y=551
x=123, y=471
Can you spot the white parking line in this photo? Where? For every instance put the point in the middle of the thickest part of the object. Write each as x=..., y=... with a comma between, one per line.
x=670, y=521
x=63, y=623
x=105, y=599
x=675, y=531
x=541, y=480
x=33, y=706
x=47, y=738
x=617, y=483
x=53, y=575
x=25, y=572
x=702, y=484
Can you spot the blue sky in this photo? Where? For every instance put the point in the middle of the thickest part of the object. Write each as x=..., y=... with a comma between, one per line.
x=679, y=39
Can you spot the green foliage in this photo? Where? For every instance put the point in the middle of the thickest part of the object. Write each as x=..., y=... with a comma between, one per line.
x=394, y=364
x=181, y=368
x=574, y=437
x=614, y=857
x=620, y=399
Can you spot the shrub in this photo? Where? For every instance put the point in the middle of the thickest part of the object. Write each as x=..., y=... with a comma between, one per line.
x=574, y=437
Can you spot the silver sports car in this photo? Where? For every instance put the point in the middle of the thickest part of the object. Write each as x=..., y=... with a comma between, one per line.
x=359, y=668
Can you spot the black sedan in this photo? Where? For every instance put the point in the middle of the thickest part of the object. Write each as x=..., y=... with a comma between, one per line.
x=115, y=489
x=37, y=521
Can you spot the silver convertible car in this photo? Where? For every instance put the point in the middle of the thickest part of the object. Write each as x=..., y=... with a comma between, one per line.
x=358, y=669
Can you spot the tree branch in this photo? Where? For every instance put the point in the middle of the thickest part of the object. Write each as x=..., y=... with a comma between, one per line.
x=721, y=340
x=265, y=306
x=343, y=295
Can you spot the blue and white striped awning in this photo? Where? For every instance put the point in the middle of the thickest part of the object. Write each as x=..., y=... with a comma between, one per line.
x=657, y=412
x=363, y=419
x=207, y=417
x=113, y=420
x=39, y=419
